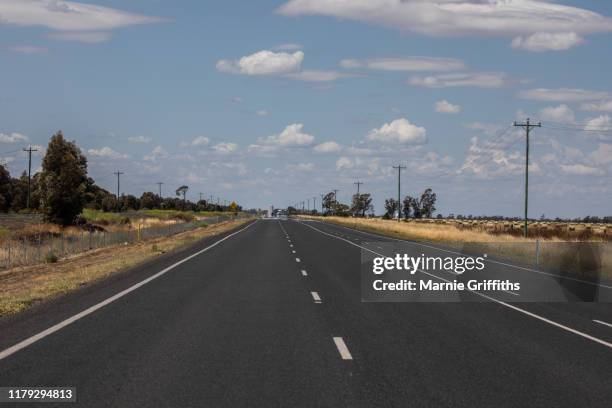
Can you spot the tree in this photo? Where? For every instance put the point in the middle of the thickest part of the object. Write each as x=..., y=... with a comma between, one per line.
x=423, y=206
x=233, y=207
x=407, y=206
x=62, y=181
x=150, y=201
x=361, y=204
x=328, y=202
x=390, y=207
x=182, y=190
x=5, y=189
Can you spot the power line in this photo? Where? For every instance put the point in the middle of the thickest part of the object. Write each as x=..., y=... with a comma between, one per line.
x=358, y=183
x=118, y=173
x=527, y=126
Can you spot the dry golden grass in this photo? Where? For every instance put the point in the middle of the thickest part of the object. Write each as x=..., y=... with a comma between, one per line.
x=25, y=286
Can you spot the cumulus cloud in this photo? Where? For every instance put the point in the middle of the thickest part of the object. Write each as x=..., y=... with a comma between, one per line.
x=157, y=153
x=291, y=136
x=225, y=147
x=86, y=22
x=399, y=131
x=406, y=64
x=599, y=127
x=107, y=153
x=262, y=112
x=562, y=95
x=328, y=147
x=540, y=42
x=561, y=114
x=12, y=137
x=316, y=76
x=462, y=79
x=301, y=167
x=263, y=63
x=517, y=19
x=581, y=170
x=597, y=106
x=28, y=49
x=139, y=139
x=445, y=106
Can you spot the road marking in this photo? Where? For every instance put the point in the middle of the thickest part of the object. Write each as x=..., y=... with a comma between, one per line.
x=316, y=297
x=304, y=273
x=291, y=246
x=31, y=340
x=342, y=349
x=293, y=251
x=604, y=323
x=500, y=302
x=297, y=260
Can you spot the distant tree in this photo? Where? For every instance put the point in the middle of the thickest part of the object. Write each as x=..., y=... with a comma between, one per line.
x=407, y=206
x=328, y=202
x=129, y=202
x=182, y=190
x=109, y=203
x=390, y=207
x=341, y=210
x=291, y=210
x=62, y=181
x=423, y=206
x=5, y=189
x=361, y=204
x=150, y=201
x=95, y=196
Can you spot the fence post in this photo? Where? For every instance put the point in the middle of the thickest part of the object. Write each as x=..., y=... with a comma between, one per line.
x=9, y=254
x=537, y=253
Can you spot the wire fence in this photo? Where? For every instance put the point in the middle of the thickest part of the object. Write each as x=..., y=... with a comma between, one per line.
x=48, y=247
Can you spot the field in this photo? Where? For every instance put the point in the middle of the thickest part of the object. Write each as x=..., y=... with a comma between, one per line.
x=563, y=252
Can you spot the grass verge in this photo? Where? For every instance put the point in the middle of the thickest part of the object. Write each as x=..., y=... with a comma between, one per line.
x=23, y=287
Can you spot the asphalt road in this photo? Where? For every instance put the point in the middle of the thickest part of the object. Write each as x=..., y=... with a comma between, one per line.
x=272, y=316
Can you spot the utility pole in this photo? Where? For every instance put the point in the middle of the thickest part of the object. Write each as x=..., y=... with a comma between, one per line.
x=527, y=126
x=29, y=150
x=159, y=184
x=118, y=173
x=399, y=168
x=308, y=205
x=335, y=199
x=322, y=197
x=314, y=204
x=358, y=183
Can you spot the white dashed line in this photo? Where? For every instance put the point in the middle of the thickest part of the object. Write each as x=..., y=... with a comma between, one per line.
x=316, y=297
x=297, y=260
x=342, y=349
x=604, y=323
x=304, y=273
x=293, y=252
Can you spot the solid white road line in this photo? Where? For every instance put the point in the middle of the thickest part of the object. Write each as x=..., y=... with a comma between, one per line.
x=342, y=349
x=518, y=309
x=31, y=340
x=297, y=260
x=604, y=323
x=304, y=273
x=316, y=297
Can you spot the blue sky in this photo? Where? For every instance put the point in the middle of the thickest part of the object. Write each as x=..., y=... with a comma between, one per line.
x=274, y=102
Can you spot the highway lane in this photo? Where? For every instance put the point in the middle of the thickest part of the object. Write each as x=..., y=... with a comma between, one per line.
x=250, y=322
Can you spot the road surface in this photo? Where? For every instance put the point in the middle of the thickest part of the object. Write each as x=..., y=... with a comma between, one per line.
x=272, y=316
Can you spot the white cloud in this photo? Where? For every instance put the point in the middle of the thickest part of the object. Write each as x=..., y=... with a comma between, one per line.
x=400, y=131
x=262, y=112
x=561, y=114
x=107, y=153
x=225, y=147
x=200, y=141
x=451, y=18
x=157, y=153
x=263, y=63
x=344, y=163
x=540, y=42
x=68, y=15
x=581, y=170
x=317, y=76
x=406, y=64
x=292, y=136
x=301, y=167
x=88, y=37
x=597, y=106
x=603, y=154
x=27, y=49
x=327, y=147
x=462, y=79
x=445, y=106
x=288, y=47
x=139, y=139
x=601, y=127
x=12, y=137
x=562, y=95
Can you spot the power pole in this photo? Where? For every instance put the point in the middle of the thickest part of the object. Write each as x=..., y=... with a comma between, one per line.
x=358, y=183
x=527, y=126
x=308, y=205
x=322, y=197
x=399, y=195
x=314, y=204
x=118, y=173
x=335, y=199
x=159, y=184
x=29, y=150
